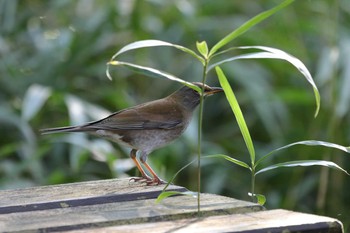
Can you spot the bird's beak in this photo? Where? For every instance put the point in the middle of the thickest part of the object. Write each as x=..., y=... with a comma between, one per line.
x=213, y=90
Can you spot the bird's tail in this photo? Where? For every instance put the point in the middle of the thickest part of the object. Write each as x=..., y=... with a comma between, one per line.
x=62, y=129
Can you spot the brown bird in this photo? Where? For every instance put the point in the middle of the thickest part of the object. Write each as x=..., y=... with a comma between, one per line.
x=147, y=126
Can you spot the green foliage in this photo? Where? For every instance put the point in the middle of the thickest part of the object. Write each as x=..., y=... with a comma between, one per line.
x=247, y=25
x=231, y=98
x=205, y=59
x=63, y=46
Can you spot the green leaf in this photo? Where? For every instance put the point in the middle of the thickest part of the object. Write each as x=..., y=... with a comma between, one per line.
x=166, y=194
x=306, y=143
x=178, y=172
x=108, y=73
x=317, y=143
x=228, y=158
x=9, y=117
x=33, y=100
x=154, y=73
x=154, y=43
x=247, y=25
x=202, y=47
x=237, y=112
x=9, y=149
x=303, y=163
x=261, y=199
x=273, y=53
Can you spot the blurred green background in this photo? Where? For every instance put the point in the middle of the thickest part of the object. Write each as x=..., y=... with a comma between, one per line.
x=53, y=58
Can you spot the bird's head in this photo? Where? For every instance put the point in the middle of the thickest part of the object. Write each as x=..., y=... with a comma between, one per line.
x=190, y=98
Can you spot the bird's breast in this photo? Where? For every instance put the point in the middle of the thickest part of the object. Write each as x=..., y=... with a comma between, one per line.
x=145, y=140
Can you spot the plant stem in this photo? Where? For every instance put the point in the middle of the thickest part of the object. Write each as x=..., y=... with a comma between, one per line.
x=200, y=121
x=253, y=185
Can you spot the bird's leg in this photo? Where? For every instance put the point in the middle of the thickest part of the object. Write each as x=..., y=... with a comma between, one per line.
x=156, y=180
x=145, y=177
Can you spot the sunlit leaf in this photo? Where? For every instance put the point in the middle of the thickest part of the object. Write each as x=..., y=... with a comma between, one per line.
x=273, y=53
x=146, y=44
x=303, y=163
x=154, y=73
x=237, y=112
x=108, y=74
x=33, y=100
x=317, y=143
x=261, y=199
x=166, y=194
x=247, y=25
x=228, y=158
x=154, y=43
x=202, y=47
x=306, y=143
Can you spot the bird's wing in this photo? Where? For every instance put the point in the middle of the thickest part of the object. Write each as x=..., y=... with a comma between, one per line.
x=152, y=115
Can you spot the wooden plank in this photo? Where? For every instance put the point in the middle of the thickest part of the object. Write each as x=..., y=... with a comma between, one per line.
x=102, y=204
x=77, y=194
x=272, y=221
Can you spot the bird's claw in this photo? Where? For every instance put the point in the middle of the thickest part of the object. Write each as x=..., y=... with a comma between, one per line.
x=148, y=180
x=143, y=179
x=155, y=182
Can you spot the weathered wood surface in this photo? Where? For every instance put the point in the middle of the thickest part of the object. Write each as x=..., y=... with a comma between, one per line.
x=272, y=221
x=103, y=203
x=77, y=194
x=118, y=205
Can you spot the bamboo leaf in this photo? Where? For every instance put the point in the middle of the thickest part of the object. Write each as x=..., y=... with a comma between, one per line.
x=273, y=53
x=154, y=73
x=228, y=158
x=306, y=143
x=166, y=194
x=154, y=43
x=317, y=143
x=178, y=172
x=237, y=112
x=303, y=163
x=247, y=25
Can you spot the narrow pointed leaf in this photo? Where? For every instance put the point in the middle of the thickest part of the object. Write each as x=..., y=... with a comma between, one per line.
x=304, y=163
x=247, y=25
x=109, y=76
x=166, y=194
x=154, y=43
x=237, y=112
x=306, y=143
x=154, y=73
x=228, y=158
x=178, y=172
x=273, y=53
x=318, y=143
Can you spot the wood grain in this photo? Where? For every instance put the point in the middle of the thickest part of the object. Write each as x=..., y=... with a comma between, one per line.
x=272, y=221
x=118, y=205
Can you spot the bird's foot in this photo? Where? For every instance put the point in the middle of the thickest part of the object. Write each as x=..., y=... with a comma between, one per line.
x=148, y=180
x=142, y=179
x=156, y=181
